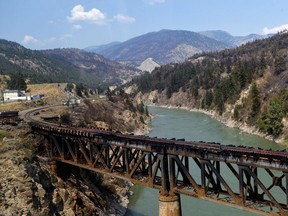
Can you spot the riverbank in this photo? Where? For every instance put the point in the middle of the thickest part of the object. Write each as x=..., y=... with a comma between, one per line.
x=29, y=188
x=193, y=126
x=183, y=100
x=227, y=121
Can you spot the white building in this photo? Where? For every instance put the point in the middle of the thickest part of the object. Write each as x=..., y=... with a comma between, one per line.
x=13, y=95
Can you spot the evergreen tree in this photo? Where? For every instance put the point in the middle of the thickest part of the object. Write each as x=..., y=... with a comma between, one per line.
x=208, y=99
x=69, y=87
x=79, y=89
x=236, y=113
x=271, y=119
x=194, y=87
x=17, y=82
x=218, y=100
x=280, y=65
x=256, y=102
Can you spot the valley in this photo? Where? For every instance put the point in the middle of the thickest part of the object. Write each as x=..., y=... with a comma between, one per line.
x=243, y=87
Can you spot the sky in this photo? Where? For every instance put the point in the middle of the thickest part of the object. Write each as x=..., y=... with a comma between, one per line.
x=48, y=24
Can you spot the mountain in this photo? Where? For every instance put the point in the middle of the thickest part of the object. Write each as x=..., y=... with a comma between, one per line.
x=164, y=47
x=98, y=49
x=168, y=46
x=90, y=63
x=61, y=65
x=245, y=87
x=230, y=40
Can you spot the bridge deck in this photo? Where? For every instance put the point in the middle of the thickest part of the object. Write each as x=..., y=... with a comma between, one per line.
x=221, y=173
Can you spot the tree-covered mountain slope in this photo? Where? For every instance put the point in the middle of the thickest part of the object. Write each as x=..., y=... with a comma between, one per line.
x=248, y=84
x=93, y=64
x=61, y=65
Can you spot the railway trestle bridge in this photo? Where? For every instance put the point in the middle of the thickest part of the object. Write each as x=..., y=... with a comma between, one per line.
x=224, y=174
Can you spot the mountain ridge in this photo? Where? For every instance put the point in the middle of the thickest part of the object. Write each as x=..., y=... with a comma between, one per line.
x=61, y=65
x=182, y=44
x=231, y=40
x=245, y=87
x=158, y=45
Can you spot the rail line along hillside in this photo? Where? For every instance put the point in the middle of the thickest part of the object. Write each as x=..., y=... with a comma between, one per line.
x=175, y=166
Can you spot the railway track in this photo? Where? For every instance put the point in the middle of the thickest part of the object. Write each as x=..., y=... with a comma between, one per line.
x=32, y=116
x=193, y=168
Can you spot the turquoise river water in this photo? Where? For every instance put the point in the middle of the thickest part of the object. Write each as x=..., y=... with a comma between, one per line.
x=193, y=126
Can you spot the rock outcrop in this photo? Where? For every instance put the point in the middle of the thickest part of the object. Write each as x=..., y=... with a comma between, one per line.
x=29, y=188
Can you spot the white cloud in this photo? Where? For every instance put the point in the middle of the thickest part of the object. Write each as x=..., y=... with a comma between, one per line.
x=58, y=41
x=28, y=39
x=275, y=29
x=153, y=2
x=94, y=15
x=76, y=27
x=124, y=18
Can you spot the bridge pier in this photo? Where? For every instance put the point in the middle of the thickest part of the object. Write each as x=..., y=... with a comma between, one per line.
x=169, y=205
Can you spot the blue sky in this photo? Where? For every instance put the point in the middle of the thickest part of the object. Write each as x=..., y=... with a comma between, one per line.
x=46, y=24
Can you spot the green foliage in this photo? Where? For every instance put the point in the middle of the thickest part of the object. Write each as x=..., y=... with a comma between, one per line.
x=145, y=82
x=236, y=113
x=195, y=87
x=141, y=108
x=80, y=89
x=69, y=87
x=254, y=96
x=219, y=100
x=4, y=134
x=41, y=68
x=286, y=139
x=208, y=99
x=17, y=82
x=146, y=111
x=271, y=119
x=280, y=65
x=129, y=105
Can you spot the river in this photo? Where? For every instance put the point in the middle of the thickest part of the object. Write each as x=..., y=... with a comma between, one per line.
x=193, y=126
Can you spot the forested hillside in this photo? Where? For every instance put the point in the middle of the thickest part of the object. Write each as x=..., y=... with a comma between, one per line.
x=61, y=65
x=35, y=66
x=247, y=84
x=105, y=70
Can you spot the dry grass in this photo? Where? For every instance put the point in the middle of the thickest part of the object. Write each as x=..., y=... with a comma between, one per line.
x=54, y=93
x=14, y=106
x=47, y=88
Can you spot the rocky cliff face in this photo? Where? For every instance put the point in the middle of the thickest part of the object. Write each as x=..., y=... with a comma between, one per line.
x=148, y=65
x=29, y=188
x=183, y=100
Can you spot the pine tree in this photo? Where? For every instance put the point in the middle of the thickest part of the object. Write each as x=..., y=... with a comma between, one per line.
x=256, y=102
x=17, y=82
x=271, y=119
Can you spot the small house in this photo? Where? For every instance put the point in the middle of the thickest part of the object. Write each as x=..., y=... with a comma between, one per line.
x=13, y=95
x=9, y=94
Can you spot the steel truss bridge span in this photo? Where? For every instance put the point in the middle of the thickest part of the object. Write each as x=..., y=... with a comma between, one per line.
x=244, y=177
